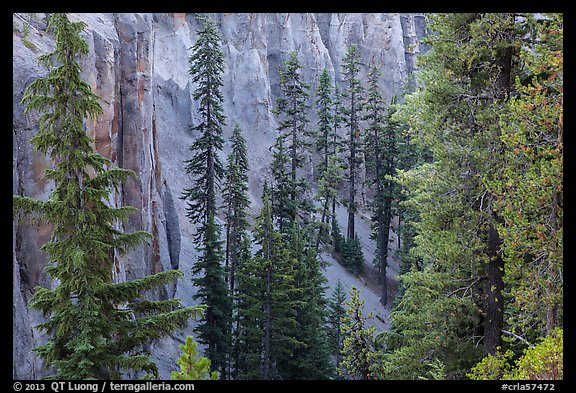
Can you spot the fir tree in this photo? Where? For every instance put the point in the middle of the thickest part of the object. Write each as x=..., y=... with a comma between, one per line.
x=351, y=115
x=336, y=312
x=379, y=147
x=327, y=142
x=292, y=109
x=236, y=202
x=206, y=170
x=311, y=343
x=97, y=329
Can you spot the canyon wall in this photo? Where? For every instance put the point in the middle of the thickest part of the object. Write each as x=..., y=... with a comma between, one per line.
x=138, y=64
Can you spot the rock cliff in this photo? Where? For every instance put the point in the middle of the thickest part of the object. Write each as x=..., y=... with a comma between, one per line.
x=138, y=64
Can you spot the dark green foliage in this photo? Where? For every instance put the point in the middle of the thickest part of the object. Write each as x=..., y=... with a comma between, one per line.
x=336, y=312
x=97, y=329
x=291, y=109
x=380, y=152
x=432, y=322
x=206, y=170
x=329, y=170
x=351, y=109
x=353, y=256
x=236, y=202
x=313, y=360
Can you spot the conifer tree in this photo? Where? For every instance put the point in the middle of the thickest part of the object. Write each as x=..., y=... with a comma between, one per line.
x=328, y=170
x=336, y=312
x=192, y=366
x=292, y=109
x=351, y=114
x=249, y=317
x=358, y=346
x=206, y=170
x=236, y=202
x=97, y=329
x=379, y=147
x=311, y=343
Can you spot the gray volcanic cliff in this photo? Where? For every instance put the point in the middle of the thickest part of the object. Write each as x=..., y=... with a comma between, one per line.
x=138, y=64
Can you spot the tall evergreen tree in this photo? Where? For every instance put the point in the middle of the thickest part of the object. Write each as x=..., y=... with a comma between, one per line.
x=380, y=150
x=97, y=329
x=336, y=312
x=311, y=343
x=206, y=170
x=358, y=346
x=279, y=297
x=236, y=202
x=328, y=170
x=292, y=108
x=466, y=78
x=351, y=114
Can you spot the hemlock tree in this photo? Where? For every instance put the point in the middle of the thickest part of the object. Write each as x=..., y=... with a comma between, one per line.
x=206, y=170
x=97, y=329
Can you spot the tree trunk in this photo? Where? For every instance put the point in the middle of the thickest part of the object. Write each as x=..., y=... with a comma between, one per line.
x=494, y=321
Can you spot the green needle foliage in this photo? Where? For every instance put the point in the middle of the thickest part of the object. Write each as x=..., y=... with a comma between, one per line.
x=97, y=329
x=192, y=366
x=206, y=170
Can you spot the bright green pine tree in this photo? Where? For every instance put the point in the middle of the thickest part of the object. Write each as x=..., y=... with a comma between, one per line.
x=351, y=109
x=358, y=345
x=353, y=256
x=192, y=366
x=206, y=170
x=292, y=111
x=336, y=311
x=97, y=329
x=236, y=202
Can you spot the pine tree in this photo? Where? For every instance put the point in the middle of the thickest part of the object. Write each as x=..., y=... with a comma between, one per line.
x=236, y=202
x=351, y=115
x=206, y=170
x=97, y=329
x=292, y=109
x=358, y=346
x=192, y=366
